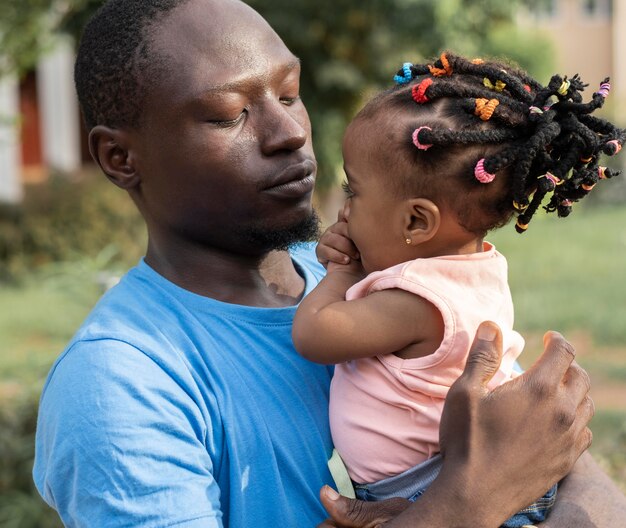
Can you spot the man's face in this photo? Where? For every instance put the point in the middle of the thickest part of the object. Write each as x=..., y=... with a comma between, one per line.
x=224, y=148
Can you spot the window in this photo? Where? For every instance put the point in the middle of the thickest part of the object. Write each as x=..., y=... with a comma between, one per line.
x=597, y=8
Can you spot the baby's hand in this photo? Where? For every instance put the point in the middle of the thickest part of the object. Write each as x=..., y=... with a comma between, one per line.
x=335, y=245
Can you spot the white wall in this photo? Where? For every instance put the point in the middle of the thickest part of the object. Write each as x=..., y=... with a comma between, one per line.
x=10, y=156
x=58, y=106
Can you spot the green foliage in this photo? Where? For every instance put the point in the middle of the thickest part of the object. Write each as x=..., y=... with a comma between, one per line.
x=26, y=27
x=20, y=504
x=568, y=274
x=62, y=220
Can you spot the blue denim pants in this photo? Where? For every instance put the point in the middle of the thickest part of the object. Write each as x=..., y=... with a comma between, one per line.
x=412, y=483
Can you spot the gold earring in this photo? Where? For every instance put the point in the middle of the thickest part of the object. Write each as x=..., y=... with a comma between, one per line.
x=408, y=241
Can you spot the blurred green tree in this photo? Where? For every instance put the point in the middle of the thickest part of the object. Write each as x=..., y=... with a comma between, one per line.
x=348, y=48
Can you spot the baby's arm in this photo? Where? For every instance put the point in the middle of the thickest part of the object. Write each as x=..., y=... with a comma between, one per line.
x=329, y=329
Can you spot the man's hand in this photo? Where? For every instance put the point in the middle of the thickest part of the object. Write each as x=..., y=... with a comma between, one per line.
x=525, y=435
x=502, y=449
x=352, y=513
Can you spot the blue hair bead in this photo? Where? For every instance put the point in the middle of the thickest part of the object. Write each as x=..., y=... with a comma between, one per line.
x=407, y=74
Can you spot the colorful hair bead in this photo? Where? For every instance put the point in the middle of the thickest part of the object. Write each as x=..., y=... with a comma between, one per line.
x=407, y=74
x=604, y=90
x=617, y=144
x=535, y=110
x=551, y=178
x=478, y=61
x=587, y=187
x=481, y=174
x=602, y=173
x=419, y=91
x=520, y=207
x=416, y=141
x=485, y=108
x=498, y=87
x=440, y=72
x=586, y=160
x=520, y=227
x=563, y=88
x=527, y=88
x=566, y=203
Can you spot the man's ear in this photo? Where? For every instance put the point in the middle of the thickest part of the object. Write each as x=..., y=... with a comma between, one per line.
x=111, y=149
x=422, y=220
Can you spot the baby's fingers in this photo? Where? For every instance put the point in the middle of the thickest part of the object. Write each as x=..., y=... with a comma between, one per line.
x=334, y=246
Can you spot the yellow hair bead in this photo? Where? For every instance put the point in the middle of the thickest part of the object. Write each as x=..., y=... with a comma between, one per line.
x=498, y=87
x=586, y=160
x=478, y=61
x=520, y=226
x=519, y=206
x=563, y=88
x=587, y=187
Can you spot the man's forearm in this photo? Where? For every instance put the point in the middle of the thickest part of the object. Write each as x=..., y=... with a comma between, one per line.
x=587, y=498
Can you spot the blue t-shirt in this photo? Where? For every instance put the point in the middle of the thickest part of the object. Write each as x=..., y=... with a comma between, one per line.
x=172, y=409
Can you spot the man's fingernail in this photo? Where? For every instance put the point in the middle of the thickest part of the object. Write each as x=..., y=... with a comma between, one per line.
x=486, y=332
x=331, y=493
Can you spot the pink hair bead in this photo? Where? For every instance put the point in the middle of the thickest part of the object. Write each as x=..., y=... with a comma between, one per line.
x=416, y=141
x=481, y=174
x=618, y=147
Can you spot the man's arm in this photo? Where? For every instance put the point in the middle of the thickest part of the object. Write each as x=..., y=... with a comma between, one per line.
x=587, y=498
x=502, y=449
x=119, y=442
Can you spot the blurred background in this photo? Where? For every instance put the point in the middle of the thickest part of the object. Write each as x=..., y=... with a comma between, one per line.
x=66, y=234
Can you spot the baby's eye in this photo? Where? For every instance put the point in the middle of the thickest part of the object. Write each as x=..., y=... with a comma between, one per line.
x=346, y=189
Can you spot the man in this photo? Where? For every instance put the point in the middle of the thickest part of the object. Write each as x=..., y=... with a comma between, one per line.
x=181, y=402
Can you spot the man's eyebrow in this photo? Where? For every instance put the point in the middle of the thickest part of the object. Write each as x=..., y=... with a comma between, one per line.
x=235, y=85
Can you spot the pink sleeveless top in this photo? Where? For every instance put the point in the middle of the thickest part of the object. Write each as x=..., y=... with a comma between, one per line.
x=385, y=411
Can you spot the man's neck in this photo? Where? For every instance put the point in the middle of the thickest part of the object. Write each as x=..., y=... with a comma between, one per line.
x=268, y=280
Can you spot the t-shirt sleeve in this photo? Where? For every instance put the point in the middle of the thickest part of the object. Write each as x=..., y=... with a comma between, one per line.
x=121, y=443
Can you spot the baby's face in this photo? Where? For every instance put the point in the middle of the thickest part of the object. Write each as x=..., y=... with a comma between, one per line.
x=374, y=211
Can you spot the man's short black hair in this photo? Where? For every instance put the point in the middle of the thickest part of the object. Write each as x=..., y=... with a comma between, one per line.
x=115, y=64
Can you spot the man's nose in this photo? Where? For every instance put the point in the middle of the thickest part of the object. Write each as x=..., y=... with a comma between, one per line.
x=283, y=128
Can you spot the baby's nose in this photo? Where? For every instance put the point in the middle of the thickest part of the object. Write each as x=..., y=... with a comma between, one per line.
x=345, y=211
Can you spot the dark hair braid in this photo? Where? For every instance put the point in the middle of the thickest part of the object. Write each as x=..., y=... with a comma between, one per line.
x=523, y=139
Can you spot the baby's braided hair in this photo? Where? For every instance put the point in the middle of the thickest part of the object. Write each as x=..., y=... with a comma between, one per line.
x=519, y=140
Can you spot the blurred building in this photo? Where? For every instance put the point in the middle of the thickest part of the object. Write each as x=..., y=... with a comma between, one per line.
x=589, y=38
x=40, y=128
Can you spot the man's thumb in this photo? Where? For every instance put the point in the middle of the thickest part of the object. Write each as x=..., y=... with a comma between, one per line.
x=485, y=355
x=353, y=513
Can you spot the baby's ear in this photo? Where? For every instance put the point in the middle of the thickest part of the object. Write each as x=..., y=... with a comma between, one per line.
x=112, y=149
x=422, y=220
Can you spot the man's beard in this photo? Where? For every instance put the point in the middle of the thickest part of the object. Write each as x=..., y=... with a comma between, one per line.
x=271, y=239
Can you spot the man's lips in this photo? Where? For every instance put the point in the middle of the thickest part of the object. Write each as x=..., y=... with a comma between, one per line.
x=294, y=181
x=292, y=173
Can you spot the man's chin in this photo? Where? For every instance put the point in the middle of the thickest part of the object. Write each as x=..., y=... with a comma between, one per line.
x=265, y=239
